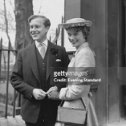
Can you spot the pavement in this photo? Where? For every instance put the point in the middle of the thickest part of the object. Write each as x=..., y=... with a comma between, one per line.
x=10, y=121
x=17, y=121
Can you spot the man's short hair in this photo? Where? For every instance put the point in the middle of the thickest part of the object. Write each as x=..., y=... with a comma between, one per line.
x=46, y=23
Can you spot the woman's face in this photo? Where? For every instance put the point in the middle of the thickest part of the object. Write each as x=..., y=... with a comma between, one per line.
x=76, y=38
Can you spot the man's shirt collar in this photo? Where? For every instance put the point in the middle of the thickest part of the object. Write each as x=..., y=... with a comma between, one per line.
x=44, y=42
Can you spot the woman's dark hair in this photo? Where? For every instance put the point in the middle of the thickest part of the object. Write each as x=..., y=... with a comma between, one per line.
x=85, y=30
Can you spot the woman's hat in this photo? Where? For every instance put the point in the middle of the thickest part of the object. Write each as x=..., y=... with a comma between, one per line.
x=76, y=22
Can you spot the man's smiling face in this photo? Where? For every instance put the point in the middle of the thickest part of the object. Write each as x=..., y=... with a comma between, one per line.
x=38, y=30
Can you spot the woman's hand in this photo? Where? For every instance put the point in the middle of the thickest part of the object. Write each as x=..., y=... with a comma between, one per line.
x=53, y=93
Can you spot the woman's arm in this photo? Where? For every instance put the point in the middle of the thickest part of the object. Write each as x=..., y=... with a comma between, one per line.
x=84, y=63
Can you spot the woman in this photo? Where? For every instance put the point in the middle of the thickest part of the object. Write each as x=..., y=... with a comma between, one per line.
x=83, y=64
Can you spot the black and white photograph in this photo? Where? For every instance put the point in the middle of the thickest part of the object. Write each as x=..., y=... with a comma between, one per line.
x=62, y=63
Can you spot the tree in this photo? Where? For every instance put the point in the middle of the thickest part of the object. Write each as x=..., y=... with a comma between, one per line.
x=23, y=9
x=6, y=22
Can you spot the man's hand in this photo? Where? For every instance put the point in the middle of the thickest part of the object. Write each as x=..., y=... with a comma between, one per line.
x=53, y=93
x=39, y=94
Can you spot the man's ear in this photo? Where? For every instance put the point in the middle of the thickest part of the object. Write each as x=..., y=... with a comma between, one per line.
x=47, y=28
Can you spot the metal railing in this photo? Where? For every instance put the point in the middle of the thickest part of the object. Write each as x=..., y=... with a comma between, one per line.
x=8, y=96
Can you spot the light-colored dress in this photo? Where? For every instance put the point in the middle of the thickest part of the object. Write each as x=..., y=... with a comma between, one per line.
x=81, y=64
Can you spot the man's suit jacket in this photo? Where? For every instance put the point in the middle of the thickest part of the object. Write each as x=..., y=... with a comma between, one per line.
x=25, y=77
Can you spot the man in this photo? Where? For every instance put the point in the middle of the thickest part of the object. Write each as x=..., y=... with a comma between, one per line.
x=32, y=75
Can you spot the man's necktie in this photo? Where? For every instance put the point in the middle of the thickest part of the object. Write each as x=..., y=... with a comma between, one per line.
x=42, y=50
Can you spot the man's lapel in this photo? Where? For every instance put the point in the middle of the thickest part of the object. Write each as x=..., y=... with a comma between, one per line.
x=33, y=59
x=51, y=60
x=51, y=57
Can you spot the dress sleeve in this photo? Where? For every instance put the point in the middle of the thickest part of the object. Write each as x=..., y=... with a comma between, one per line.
x=84, y=62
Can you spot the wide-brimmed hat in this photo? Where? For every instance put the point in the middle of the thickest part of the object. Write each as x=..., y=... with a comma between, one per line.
x=76, y=22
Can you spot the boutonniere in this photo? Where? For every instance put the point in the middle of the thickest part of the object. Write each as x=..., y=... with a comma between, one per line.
x=58, y=60
x=54, y=51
